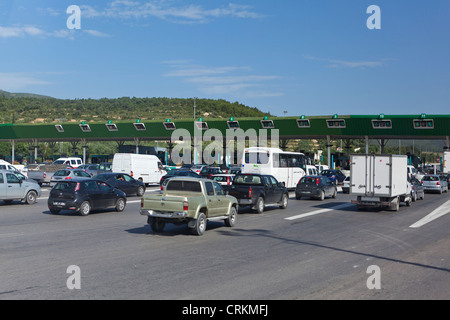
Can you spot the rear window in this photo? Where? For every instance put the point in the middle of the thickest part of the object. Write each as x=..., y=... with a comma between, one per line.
x=308, y=180
x=220, y=178
x=247, y=179
x=430, y=178
x=65, y=186
x=192, y=186
x=62, y=173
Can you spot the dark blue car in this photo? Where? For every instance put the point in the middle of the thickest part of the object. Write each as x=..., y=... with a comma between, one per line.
x=335, y=176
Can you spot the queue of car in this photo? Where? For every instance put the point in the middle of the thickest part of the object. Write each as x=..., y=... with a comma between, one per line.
x=84, y=189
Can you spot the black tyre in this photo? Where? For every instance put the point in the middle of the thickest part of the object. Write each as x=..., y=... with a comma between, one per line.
x=157, y=225
x=31, y=197
x=120, y=204
x=231, y=220
x=322, y=196
x=284, y=201
x=85, y=208
x=200, y=225
x=140, y=191
x=260, y=205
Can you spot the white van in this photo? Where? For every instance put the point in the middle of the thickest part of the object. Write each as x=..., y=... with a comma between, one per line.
x=144, y=167
x=5, y=165
x=311, y=170
x=74, y=162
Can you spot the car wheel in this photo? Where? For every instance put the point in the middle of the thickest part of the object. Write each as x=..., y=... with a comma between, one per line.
x=423, y=196
x=231, y=220
x=140, y=191
x=157, y=225
x=120, y=204
x=334, y=194
x=322, y=195
x=414, y=197
x=200, y=225
x=298, y=197
x=31, y=197
x=85, y=208
x=284, y=201
x=260, y=205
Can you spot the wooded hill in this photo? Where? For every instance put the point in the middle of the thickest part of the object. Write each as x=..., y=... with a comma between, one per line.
x=26, y=108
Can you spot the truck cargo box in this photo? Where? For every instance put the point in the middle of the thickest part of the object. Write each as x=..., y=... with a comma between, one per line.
x=374, y=175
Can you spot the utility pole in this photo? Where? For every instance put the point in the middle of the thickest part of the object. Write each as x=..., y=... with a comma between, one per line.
x=195, y=98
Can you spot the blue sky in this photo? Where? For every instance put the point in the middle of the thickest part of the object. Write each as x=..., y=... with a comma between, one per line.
x=311, y=57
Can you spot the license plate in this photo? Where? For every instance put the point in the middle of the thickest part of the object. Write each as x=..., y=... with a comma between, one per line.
x=57, y=203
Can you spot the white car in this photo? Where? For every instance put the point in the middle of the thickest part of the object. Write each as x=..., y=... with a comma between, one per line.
x=223, y=179
x=346, y=185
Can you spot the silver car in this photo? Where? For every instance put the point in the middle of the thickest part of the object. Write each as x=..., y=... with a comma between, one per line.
x=14, y=187
x=433, y=182
x=68, y=174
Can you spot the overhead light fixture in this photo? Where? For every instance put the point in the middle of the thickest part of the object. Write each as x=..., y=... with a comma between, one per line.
x=267, y=124
x=111, y=126
x=139, y=126
x=303, y=122
x=336, y=123
x=169, y=125
x=200, y=124
x=233, y=124
x=85, y=127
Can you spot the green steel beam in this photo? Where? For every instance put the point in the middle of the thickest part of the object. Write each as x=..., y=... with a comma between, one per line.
x=356, y=127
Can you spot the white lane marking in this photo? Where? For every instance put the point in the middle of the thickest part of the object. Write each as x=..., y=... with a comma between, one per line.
x=436, y=213
x=312, y=213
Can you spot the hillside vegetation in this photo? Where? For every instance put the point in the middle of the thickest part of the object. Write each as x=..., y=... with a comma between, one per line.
x=25, y=108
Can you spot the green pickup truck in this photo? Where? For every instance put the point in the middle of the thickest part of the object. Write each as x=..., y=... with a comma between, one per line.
x=190, y=201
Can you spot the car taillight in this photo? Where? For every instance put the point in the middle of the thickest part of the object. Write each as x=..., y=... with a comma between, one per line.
x=45, y=175
x=228, y=181
x=317, y=181
x=438, y=183
x=250, y=192
x=185, y=205
x=77, y=187
x=67, y=178
x=162, y=188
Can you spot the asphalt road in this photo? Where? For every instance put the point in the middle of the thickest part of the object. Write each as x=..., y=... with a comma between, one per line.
x=334, y=252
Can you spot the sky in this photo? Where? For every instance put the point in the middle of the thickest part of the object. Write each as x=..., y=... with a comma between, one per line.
x=286, y=57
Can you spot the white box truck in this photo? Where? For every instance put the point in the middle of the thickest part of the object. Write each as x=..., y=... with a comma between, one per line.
x=446, y=162
x=379, y=181
x=144, y=167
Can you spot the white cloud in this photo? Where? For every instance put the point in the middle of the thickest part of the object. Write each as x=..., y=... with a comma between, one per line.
x=224, y=80
x=31, y=31
x=335, y=63
x=19, y=81
x=165, y=10
x=15, y=32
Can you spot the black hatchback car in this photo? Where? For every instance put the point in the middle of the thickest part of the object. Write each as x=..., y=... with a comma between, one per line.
x=85, y=195
x=318, y=187
x=122, y=181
